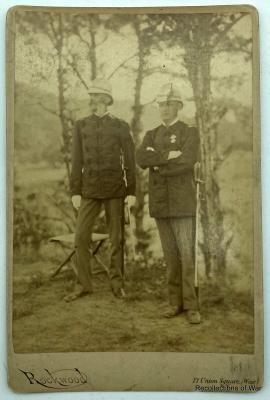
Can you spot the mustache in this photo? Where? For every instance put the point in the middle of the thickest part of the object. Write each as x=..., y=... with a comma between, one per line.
x=93, y=106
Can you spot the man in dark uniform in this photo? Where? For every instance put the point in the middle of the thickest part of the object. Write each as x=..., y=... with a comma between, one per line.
x=170, y=152
x=100, y=143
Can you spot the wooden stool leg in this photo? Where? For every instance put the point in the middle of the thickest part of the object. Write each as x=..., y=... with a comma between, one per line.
x=63, y=264
x=105, y=268
x=73, y=265
x=98, y=247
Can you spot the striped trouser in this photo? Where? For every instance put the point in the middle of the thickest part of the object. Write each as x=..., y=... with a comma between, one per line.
x=177, y=240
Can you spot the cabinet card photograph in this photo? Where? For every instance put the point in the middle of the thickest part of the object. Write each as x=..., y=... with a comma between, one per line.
x=134, y=205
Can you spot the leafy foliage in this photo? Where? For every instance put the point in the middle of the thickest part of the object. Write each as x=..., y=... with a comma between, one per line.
x=31, y=226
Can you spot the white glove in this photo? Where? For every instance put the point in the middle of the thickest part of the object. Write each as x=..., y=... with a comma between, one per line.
x=76, y=201
x=174, y=154
x=131, y=200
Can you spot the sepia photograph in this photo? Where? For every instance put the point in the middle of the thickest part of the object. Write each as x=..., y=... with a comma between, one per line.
x=133, y=184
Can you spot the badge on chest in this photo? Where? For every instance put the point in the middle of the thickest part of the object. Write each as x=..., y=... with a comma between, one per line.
x=173, y=143
x=173, y=138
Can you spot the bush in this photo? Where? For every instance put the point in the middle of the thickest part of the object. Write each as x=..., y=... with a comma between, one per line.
x=30, y=227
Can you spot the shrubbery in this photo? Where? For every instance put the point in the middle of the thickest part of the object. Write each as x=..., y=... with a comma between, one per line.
x=30, y=225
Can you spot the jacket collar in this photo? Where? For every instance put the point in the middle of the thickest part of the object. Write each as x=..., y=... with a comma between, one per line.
x=172, y=123
x=100, y=116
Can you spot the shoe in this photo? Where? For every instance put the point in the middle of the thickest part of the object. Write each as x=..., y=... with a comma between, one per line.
x=194, y=317
x=75, y=295
x=172, y=311
x=119, y=293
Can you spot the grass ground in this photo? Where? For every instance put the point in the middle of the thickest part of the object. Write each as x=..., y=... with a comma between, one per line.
x=43, y=322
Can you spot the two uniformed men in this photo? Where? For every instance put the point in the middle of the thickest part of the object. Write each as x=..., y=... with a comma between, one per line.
x=170, y=152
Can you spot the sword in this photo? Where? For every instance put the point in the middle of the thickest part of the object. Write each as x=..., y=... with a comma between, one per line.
x=126, y=209
x=198, y=181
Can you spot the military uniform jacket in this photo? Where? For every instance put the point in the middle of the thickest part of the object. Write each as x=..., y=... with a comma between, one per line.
x=97, y=147
x=172, y=191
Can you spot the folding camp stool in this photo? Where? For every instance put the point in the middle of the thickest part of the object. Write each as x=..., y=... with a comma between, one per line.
x=64, y=240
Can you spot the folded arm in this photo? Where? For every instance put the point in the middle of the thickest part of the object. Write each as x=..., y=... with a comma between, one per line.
x=189, y=155
x=148, y=156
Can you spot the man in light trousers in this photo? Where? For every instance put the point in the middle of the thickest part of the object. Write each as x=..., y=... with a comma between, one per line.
x=170, y=151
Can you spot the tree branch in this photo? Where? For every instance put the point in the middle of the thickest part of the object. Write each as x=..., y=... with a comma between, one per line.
x=63, y=211
x=150, y=71
x=77, y=32
x=73, y=65
x=226, y=30
x=54, y=37
x=228, y=242
x=103, y=40
x=58, y=220
x=233, y=49
x=49, y=110
x=121, y=65
x=229, y=150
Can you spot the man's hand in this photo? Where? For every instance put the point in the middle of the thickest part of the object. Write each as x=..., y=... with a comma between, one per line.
x=131, y=200
x=174, y=154
x=76, y=201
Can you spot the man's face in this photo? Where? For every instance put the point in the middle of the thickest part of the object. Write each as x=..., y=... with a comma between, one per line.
x=99, y=102
x=169, y=110
x=97, y=98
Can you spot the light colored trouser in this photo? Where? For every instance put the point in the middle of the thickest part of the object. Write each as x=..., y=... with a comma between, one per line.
x=177, y=240
x=88, y=212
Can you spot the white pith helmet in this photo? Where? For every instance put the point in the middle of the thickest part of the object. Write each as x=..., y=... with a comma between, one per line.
x=101, y=86
x=169, y=92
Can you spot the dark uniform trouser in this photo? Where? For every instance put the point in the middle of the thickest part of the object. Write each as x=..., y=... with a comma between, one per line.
x=177, y=240
x=88, y=212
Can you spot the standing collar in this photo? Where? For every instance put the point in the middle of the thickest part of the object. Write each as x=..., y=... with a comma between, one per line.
x=101, y=116
x=171, y=123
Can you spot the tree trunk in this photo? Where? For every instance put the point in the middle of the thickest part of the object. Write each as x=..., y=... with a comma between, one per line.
x=61, y=96
x=198, y=62
x=136, y=129
x=92, y=50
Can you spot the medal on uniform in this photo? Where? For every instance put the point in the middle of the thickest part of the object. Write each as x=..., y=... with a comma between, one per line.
x=173, y=138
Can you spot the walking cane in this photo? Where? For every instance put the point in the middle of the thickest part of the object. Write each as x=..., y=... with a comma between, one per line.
x=197, y=178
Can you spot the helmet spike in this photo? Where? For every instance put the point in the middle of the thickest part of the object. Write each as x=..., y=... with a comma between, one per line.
x=169, y=92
